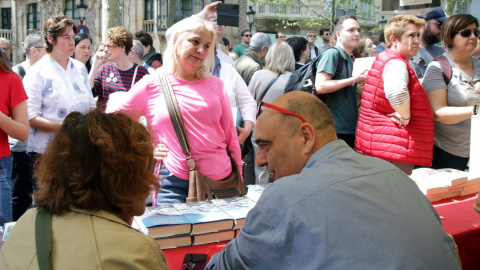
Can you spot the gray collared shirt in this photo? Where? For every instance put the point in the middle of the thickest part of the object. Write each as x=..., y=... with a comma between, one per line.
x=342, y=211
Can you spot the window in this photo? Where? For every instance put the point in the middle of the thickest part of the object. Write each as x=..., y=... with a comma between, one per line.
x=70, y=10
x=33, y=17
x=149, y=9
x=183, y=9
x=6, y=18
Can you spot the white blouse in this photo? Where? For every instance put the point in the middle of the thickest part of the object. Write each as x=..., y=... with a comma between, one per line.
x=53, y=93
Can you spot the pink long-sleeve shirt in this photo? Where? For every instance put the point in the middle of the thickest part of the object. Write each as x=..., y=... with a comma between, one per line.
x=208, y=120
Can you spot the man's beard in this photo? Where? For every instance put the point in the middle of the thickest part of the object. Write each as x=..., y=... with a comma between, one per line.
x=429, y=37
x=326, y=39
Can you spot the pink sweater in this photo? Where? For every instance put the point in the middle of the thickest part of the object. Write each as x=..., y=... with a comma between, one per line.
x=207, y=117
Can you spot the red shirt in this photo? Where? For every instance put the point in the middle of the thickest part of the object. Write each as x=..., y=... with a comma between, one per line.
x=11, y=94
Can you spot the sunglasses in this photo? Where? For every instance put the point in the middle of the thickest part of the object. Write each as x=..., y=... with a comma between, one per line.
x=468, y=32
x=278, y=109
x=59, y=18
x=437, y=23
x=246, y=35
x=311, y=36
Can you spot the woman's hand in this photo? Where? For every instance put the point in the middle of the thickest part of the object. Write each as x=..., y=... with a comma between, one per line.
x=160, y=152
x=99, y=59
x=210, y=10
x=398, y=119
x=245, y=131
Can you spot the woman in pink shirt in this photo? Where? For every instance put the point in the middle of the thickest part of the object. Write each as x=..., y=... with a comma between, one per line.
x=204, y=106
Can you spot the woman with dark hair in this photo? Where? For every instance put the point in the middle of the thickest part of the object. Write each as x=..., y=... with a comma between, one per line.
x=92, y=180
x=396, y=121
x=453, y=102
x=56, y=85
x=83, y=49
x=14, y=123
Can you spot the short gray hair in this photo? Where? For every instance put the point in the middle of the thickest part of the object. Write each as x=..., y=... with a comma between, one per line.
x=260, y=40
x=137, y=46
x=34, y=39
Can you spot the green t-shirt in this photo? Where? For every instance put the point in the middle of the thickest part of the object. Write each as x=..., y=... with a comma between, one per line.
x=240, y=49
x=342, y=103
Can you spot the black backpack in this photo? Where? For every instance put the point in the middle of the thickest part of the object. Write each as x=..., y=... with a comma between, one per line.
x=303, y=79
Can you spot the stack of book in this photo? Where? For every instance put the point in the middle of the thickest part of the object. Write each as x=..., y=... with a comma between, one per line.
x=187, y=224
x=444, y=183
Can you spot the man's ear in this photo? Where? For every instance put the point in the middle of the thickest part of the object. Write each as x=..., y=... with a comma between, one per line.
x=307, y=131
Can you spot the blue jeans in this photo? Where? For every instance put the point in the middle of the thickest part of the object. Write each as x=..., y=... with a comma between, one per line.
x=5, y=190
x=173, y=189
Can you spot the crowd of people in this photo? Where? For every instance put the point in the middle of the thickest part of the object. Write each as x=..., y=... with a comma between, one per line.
x=84, y=160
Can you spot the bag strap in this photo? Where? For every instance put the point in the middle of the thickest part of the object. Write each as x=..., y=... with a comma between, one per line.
x=446, y=68
x=134, y=77
x=176, y=118
x=43, y=239
x=269, y=85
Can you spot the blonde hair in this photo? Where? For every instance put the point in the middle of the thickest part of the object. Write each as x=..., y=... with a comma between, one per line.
x=182, y=28
x=280, y=58
x=396, y=26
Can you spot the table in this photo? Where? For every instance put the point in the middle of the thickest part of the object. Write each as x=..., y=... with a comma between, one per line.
x=463, y=223
x=460, y=221
x=175, y=256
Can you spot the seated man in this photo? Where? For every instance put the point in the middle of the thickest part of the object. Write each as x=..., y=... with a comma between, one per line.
x=330, y=207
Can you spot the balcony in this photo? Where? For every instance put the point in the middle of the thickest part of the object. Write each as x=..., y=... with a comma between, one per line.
x=6, y=33
x=149, y=26
x=269, y=11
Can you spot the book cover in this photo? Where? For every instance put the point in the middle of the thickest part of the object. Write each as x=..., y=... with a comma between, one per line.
x=205, y=217
x=6, y=229
x=236, y=207
x=429, y=182
x=255, y=191
x=215, y=237
x=163, y=221
x=174, y=242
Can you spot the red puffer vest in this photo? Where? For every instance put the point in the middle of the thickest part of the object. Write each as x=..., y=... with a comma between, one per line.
x=378, y=136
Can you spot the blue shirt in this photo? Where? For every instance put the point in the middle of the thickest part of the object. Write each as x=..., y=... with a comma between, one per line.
x=343, y=102
x=342, y=211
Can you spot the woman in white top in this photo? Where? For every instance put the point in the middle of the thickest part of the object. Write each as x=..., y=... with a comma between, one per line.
x=56, y=85
x=279, y=65
x=453, y=103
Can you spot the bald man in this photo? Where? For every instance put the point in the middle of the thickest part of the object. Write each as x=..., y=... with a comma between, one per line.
x=330, y=207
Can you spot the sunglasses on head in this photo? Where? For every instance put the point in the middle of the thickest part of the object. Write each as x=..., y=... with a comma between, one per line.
x=247, y=35
x=278, y=109
x=59, y=18
x=468, y=32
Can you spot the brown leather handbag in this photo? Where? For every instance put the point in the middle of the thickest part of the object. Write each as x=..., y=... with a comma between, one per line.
x=200, y=187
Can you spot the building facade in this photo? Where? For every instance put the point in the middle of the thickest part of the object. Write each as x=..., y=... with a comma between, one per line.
x=19, y=17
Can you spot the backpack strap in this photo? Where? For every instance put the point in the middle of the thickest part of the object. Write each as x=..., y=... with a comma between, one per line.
x=446, y=68
x=340, y=64
x=43, y=239
x=19, y=70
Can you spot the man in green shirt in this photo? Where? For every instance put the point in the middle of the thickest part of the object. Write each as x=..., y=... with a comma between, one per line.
x=240, y=48
x=340, y=93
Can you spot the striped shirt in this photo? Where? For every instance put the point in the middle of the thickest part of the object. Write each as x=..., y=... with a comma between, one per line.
x=109, y=79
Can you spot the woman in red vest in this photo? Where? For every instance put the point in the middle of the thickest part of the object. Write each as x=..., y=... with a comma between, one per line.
x=396, y=120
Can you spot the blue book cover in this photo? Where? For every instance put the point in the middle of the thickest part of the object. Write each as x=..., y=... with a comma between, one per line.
x=163, y=221
x=205, y=217
x=237, y=208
